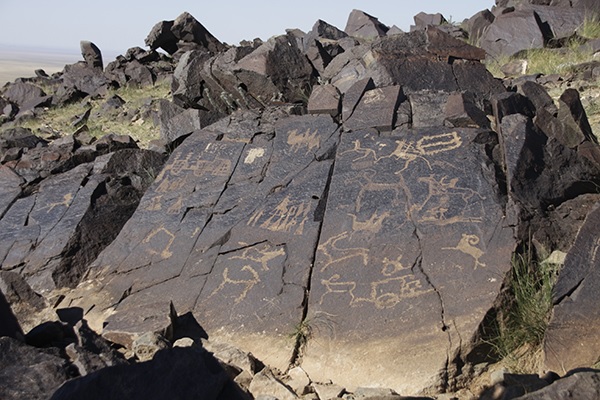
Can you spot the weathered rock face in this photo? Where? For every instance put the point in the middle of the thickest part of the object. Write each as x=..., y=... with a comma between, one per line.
x=402, y=235
x=27, y=372
x=70, y=205
x=91, y=54
x=571, y=338
x=364, y=26
x=170, y=35
x=363, y=243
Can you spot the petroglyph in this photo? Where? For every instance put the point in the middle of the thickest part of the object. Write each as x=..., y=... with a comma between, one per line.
x=66, y=202
x=372, y=224
x=370, y=186
x=467, y=245
x=335, y=253
x=176, y=207
x=261, y=255
x=405, y=151
x=595, y=249
x=438, y=201
x=373, y=96
x=287, y=217
x=158, y=235
x=198, y=167
x=169, y=185
x=309, y=140
x=247, y=284
x=384, y=293
x=155, y=203
x=253, y=154
x=387, y=293
x=391, y=267
x=429, y=145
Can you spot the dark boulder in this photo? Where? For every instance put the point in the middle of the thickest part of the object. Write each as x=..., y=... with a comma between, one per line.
x=9, y=326
x=477, y=24
x=26, y=96
x=577, y=384
x=323, y=30
x=513, y=32
x=29, y=373
x=376, y=109
x=559, y=23
x=161, y=37
x=91, y=54
x=84, y=79
x=364, y=26
x=423, y=20
x=187, y=29
x=571, y=340
x=324, y=99
x=179, y=373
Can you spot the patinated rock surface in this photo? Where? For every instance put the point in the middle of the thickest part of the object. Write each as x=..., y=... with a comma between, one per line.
x=571, y=338
x=406, y=228
x=27, y=372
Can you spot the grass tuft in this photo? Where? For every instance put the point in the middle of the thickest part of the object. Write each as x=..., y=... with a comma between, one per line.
x=518, y=333
x=590, y=29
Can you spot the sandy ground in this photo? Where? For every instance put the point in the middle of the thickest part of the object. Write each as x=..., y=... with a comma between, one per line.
x=16, y=63
x=21, y=63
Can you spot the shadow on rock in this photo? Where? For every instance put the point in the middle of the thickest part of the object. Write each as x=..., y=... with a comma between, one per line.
x=178, y=373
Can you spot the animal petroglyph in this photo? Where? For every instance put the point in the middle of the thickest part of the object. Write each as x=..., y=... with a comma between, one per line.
x=335, y=253
x=391, y=267
x=370, y=186
x=261, y=256
x=253, y=154
x=467, y=245
x=403, y=151
x=176, y=207
x=384, y=293
x=287, y=217
x=66, y=201
x=154, y=204
x=159, y=235
x=247, y=284
x=438, y=201
x=307, y=139
x=372, y=224
x=373, y=96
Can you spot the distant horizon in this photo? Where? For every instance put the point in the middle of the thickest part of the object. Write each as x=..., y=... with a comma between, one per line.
x=115, y=26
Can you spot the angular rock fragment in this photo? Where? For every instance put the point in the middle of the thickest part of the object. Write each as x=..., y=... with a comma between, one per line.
x=91, y=54
x=461, y=111
x=364, y=26
x=324, y=99
x=32, y=373
x=513, y=32
x=376, y=109
x=571, y=340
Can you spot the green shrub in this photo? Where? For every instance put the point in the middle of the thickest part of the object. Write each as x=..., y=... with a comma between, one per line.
x=518, y=331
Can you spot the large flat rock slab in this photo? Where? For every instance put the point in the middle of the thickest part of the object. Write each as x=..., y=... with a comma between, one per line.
x=228, y=231
x=411, y=256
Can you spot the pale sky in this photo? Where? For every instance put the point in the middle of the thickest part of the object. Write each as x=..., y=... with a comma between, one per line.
x=114, y=26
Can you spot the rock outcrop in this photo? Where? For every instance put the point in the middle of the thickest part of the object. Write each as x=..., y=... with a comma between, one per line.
x=343, y=205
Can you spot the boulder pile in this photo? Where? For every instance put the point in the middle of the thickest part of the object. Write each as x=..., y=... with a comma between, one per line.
x=331, y=214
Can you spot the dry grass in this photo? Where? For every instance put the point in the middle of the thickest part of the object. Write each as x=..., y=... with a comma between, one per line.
x=129, y=120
